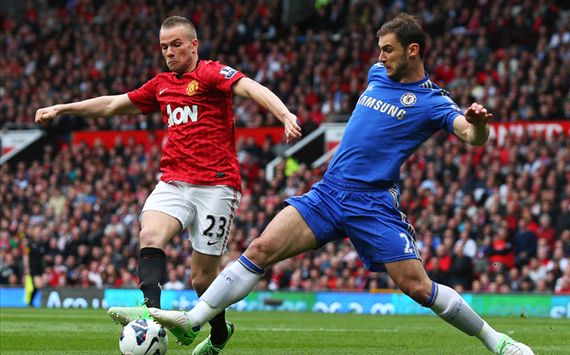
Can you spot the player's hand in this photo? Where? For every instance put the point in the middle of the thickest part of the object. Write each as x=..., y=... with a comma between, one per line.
x=46, y=114
x=292, y=129
x=477, y=115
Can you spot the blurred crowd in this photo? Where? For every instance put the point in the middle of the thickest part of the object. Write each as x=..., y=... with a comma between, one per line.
x=511, y=55
x=488, y=219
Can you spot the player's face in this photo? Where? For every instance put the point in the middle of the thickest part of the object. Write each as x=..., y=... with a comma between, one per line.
x=179, y=50
x=394, y=56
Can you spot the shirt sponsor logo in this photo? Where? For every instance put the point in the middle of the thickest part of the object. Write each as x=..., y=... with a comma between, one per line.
x=408, y=99
x=384, y=107
x=228, y=72
x=192, y=88
x=181, y=115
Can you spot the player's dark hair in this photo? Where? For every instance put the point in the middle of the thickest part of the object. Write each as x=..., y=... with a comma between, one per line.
x=174, y=21
x=407, y=29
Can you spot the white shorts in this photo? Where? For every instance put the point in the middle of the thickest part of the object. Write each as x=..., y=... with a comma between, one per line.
x=207, y=211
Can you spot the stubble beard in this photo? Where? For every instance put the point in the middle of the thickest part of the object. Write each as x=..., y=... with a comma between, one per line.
x=400, y=70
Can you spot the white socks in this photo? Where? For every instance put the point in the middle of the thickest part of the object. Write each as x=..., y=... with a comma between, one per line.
x=452, y=308
x=233, y=284
x=489, y=336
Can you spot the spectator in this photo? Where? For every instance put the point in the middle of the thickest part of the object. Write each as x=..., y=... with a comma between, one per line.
x=501, y=252
x=545, y=230
x=525, y=243
x=173, y=282
x=461, y=271
x=436, y=273
x=469, y=247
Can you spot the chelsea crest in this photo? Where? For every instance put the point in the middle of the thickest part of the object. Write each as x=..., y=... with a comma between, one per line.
x=408, y=99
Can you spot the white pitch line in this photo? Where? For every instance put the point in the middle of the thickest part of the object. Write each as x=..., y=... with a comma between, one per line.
x=326, y=330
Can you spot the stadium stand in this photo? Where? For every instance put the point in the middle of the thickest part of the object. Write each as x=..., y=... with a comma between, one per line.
x=488, y=219
x=508, y=52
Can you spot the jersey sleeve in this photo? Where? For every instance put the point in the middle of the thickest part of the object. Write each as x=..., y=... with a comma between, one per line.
x=144, y=98
x=444, y=112
x=222, y=77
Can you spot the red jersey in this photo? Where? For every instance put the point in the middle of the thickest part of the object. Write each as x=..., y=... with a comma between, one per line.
x=197, y=107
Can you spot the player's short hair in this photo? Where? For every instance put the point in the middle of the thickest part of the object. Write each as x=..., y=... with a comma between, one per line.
x=174, y=21
x=407, y=29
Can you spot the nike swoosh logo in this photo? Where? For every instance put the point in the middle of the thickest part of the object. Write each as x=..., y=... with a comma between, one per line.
x=161, y=91
x=211, y=243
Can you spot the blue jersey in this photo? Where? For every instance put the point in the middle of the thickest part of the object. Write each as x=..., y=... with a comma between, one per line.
x=390, y=121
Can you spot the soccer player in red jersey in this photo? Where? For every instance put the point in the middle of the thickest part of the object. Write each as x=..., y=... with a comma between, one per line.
x=200, y=185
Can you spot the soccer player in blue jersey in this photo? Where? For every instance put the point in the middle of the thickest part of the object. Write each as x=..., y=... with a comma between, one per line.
x=359, y=196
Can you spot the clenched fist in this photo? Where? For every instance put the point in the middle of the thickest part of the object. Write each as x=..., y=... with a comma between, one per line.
x=46, y=114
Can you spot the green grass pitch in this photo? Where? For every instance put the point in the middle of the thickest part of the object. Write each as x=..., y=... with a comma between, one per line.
x=45, y=331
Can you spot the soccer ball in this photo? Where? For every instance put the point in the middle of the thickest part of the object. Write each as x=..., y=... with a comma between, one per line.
x=143, y=336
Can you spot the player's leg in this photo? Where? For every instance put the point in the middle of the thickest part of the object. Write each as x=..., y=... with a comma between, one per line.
x=287, y=235
x=215, y=209
x=157, y=228
x=411, y=278
x=164, y=215
x=384, y=238
x=204, y=270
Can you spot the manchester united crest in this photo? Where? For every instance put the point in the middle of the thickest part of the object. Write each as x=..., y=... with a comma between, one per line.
x=192, y=88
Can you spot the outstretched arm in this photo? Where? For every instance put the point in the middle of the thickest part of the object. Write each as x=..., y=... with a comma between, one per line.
x=101, y=106
x=251, y=89
x=473, y=128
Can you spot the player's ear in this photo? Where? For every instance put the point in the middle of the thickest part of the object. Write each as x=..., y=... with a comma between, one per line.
x=195, y=42
x=413, y=49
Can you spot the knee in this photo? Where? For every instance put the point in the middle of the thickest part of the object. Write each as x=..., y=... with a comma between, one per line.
x=418, y=291
x=149, y=238
x=261, y=251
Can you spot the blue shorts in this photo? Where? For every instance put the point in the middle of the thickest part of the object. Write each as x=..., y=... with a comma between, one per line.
x=369, y=216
